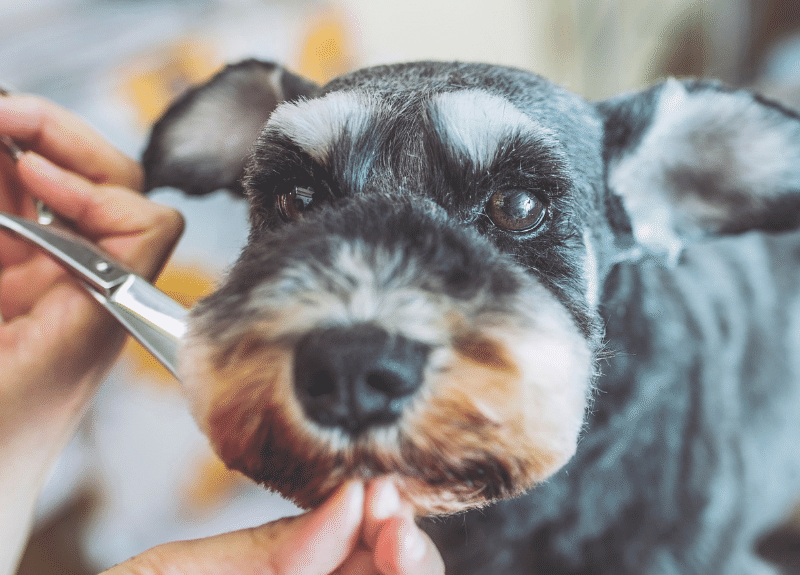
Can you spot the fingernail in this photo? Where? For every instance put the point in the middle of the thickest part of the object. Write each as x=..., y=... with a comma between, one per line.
x=351, y=499
x=414, y=544
x=387, y=500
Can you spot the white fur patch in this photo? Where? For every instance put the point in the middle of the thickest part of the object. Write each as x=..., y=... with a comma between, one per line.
x=476, y=124
x=637, y=179
x=590, y=271
x=726, y=143
x=362, y=285
x=316, y=125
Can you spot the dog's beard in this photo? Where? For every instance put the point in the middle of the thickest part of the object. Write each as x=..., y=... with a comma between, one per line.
x=500, y=407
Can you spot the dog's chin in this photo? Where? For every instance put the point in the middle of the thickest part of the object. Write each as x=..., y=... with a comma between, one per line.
x=490, y=422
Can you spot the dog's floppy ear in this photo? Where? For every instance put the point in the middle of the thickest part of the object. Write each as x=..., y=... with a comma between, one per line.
x=689, y=158
x=203, y=140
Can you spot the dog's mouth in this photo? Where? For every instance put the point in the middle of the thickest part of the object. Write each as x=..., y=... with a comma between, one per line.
x=352, y=360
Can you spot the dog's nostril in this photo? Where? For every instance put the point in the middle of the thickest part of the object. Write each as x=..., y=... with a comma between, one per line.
x=390, y=383
x=379, y=381
x=320, y=383
x=357, y=377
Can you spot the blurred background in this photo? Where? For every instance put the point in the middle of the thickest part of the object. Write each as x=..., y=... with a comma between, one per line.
x=139, y=472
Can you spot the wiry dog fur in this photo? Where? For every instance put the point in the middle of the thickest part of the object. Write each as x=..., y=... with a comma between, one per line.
x=596, y=301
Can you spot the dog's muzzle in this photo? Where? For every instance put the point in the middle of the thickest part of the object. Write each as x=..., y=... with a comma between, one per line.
x=378, y=337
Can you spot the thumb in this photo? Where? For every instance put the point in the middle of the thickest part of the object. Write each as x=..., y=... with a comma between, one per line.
x=314, y=543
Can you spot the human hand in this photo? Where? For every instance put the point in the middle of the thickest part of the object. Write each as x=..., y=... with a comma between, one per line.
x=391, y=543
x=55, y=342
x=357, y=531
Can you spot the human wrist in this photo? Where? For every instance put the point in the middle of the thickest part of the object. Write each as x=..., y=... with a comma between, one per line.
x=27, y=462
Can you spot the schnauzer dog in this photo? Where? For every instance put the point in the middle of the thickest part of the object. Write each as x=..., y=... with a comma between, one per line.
x=468, y=278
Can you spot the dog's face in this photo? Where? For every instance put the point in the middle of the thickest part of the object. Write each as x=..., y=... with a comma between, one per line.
x=419, y=293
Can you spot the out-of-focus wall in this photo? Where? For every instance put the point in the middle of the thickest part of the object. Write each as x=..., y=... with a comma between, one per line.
x=596, y=48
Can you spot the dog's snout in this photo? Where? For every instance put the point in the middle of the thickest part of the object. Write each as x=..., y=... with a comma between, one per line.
x=357, y=377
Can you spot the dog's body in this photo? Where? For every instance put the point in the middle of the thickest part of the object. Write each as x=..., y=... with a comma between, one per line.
x=449, y=263
x=690, y=448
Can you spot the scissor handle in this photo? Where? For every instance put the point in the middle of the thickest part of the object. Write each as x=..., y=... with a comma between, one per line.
x=79, y=256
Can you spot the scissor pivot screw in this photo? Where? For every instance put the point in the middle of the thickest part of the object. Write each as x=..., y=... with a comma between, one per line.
x=102, y=266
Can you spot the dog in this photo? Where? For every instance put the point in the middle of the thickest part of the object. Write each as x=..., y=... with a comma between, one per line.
x=570, y=328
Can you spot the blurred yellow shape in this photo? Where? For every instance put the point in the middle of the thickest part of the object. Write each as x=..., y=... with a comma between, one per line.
x=327, y=49
x=155, y=79
x=209, y=485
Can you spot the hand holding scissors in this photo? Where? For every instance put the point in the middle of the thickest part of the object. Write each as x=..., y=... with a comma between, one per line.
x=55, y=341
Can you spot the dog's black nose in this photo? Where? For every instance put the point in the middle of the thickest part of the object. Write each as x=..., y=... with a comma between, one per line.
x=357, y=377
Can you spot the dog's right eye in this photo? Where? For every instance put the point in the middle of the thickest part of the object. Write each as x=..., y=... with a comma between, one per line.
x=291, y=205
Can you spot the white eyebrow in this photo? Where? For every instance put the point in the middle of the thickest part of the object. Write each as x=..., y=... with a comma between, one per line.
x=316, y=125
x=474, y=123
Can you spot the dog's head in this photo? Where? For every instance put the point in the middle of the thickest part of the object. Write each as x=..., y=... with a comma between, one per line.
x=419, y=293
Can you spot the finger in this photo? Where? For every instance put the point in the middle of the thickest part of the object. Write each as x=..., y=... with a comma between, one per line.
x=382, y=502
x=12, y=201
x=10, y=196
x=404, y=549
x=13, y=251
x=74, y=196
x=21, y=286
x=68, y=141
x=39, y=345
x=321, y=540
x=400, y=547
x=126, y=224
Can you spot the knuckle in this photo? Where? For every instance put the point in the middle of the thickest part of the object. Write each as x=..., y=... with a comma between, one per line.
x=268, y=539
x=136, y=178
x=42, y=113
x=36, y=107
x=172, y=221
x=269, y=533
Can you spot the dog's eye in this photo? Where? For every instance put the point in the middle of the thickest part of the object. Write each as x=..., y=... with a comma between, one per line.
x=292, y=204
x=516, y=210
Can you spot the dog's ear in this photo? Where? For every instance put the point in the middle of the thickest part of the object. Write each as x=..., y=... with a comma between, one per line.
x=690, y=158
x=203, y=140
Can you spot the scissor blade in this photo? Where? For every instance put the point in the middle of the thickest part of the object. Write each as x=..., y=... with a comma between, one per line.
x=73, y=252
x=156, y=321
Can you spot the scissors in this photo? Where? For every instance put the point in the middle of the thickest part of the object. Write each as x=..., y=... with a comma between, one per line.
x=157, y=321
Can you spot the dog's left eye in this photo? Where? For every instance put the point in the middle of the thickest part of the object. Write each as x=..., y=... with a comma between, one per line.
x=516, y=210
x=291, y=205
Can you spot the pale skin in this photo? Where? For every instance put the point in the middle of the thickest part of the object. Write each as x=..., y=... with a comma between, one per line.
x=56, y=345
